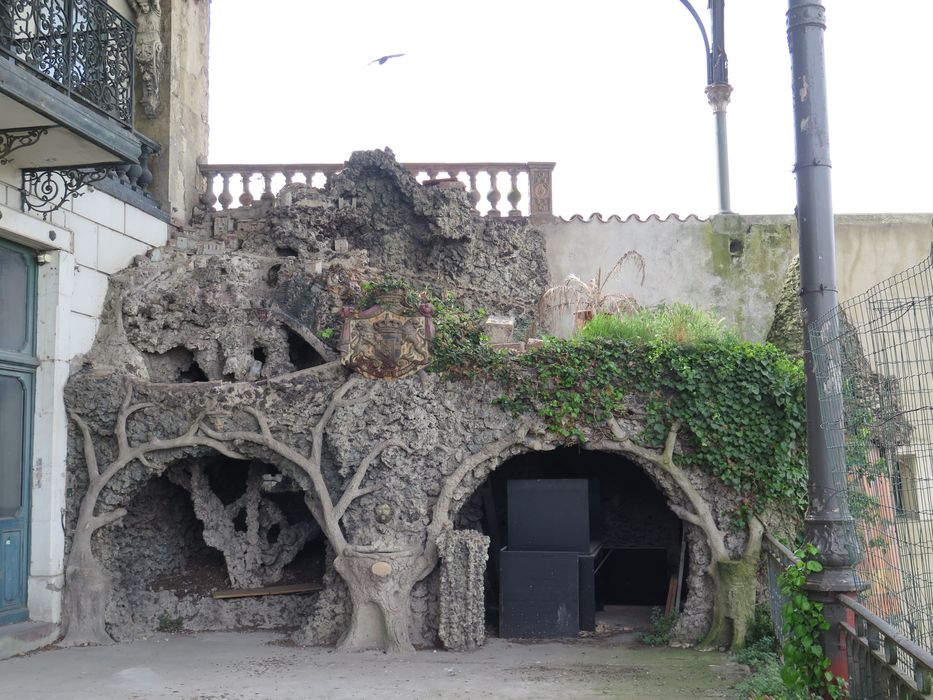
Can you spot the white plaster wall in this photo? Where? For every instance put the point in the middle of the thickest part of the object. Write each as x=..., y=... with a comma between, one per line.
x=685, y=261
x=870, y=248
x=92, y=237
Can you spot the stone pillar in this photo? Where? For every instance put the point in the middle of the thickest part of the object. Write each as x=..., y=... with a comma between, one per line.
x=172, y=96
x=463, y=556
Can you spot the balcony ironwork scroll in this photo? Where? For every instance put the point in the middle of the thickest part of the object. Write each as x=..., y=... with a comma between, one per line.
x=527, y=186
x=13, y=139
x=82, y=46
x=46, y=190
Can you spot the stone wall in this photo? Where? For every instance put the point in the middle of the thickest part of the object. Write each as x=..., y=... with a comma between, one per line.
x=179, y=123
x=90, y=238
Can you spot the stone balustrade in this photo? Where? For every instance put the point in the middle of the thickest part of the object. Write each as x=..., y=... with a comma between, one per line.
x=525, y=187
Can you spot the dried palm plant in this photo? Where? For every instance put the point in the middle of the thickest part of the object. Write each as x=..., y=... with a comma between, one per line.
x=586, y=299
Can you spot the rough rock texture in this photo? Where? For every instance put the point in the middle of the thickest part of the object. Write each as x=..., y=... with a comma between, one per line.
x=222, y=342
x=327, y=619
x=134, y=614
x=258, y=550
x=442, y=423
x=463, y=612
x=786, y=330
x=161, y=523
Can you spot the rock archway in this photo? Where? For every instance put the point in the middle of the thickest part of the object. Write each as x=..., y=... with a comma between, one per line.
x=640, y=536
x=384, y=467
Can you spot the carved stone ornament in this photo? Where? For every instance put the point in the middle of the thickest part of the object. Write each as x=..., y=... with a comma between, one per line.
x=149, y=51
x=718, y=95
x=389, y=340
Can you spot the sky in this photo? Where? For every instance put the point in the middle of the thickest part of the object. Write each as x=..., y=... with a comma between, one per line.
x=613, y=91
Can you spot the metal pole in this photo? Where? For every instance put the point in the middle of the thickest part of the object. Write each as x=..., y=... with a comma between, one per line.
x=718, y=90
x=828, y=524
x=718, y=96
x=718, y=93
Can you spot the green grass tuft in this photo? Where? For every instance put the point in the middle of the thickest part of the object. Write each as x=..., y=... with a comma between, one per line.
x=676, y=323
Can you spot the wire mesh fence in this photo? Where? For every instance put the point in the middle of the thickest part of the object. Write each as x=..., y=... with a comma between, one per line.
x=873, y=357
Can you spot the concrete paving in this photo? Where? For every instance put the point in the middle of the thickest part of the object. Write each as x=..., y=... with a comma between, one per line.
x=263, y=665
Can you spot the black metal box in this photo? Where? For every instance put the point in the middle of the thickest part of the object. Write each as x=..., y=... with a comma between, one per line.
x=553, y=515
x=539, y=594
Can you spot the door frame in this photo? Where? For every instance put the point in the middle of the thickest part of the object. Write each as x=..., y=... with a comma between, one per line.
x=22, y=366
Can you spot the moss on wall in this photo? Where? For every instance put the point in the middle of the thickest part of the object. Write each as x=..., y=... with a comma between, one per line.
x=749, y=257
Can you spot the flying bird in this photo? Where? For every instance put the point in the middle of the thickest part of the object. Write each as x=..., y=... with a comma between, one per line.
x=381, y=61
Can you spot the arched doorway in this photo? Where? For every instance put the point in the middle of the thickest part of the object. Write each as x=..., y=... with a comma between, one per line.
x=641, y=560
x=171, y=560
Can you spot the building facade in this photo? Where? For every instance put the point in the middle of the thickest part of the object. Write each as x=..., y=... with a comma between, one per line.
x=85, y=187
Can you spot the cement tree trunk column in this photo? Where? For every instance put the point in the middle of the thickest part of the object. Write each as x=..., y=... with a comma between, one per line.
x=734, y=585
x=380, y=586
x=87, y=592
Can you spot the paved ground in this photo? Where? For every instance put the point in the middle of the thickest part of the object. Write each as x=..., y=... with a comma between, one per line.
x=261, y=665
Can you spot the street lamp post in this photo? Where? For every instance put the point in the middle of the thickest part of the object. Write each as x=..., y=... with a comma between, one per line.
x=828, y=523
x=718, y=90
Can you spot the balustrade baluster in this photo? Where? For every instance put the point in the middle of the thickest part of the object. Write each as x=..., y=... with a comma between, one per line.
x=267, y=195
x=475, y=196
x=145, y=175
x=921, y=677
x=514, y=195
x=225, y=198
x=119, y=172
x=246, y=198
x=889, y=651
x=208, y=198
x=538, y=174
x=132, y=174
x=494, y=195
x=872, y=634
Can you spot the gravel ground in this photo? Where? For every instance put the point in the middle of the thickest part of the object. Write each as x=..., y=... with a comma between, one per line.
x=260, y=665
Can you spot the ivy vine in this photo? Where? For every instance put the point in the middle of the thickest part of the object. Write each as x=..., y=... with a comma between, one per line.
x=740, y=405
x=806, y=668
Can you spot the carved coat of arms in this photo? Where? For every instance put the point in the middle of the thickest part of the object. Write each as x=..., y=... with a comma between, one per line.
x=389, y=340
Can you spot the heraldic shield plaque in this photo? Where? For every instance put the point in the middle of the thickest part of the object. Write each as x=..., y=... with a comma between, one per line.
x=389, y=340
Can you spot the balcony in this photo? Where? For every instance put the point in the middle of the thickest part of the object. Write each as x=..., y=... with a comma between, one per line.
x=66, y=85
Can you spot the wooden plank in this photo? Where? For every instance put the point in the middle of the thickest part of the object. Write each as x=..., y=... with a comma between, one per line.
x=671, y=593
x=267, y=590
x=680, y=568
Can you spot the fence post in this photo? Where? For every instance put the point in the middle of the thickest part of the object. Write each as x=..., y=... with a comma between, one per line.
x=539, y=185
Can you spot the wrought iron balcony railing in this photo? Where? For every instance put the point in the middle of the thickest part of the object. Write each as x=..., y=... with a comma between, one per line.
x=82, y=46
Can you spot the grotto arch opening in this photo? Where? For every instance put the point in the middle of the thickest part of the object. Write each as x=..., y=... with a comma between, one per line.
x=644, y=557
x=203, y=526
